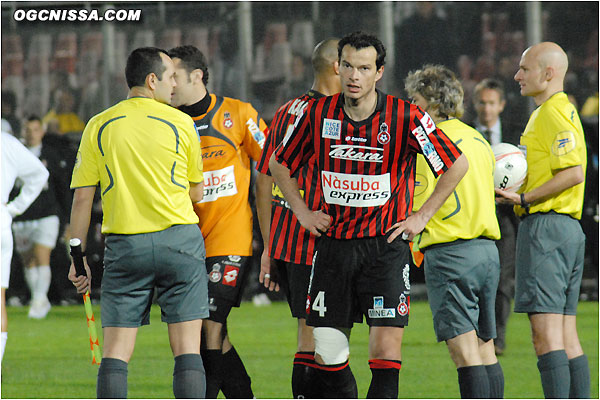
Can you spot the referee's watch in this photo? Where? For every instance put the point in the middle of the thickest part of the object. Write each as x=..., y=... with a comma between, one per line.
x=524, y=204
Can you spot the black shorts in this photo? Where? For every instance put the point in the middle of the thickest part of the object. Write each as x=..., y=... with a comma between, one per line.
x=352, y=278
x=294, y=279
x=226, y=278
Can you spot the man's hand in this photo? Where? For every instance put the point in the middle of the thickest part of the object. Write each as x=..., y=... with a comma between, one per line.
x=408, y=229
x=82, y=283
x=504, y=197
x=315, y=222
x=268, y=276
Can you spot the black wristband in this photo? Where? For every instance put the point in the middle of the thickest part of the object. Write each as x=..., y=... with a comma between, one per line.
x=524, y=204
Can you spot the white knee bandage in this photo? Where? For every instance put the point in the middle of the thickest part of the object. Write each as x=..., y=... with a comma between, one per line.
x=332, y=345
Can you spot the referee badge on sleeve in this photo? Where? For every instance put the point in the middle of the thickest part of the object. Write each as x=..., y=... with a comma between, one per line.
x=564, y=143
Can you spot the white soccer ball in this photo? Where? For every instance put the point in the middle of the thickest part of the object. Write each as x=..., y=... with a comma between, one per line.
x=511, y=167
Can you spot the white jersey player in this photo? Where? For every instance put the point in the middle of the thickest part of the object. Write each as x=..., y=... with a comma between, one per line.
x=17, y=162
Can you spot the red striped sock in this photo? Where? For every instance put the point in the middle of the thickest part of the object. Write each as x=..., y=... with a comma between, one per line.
x=384, y=381
x=336, y=381
x=305, y=358
x=303, y=375
x=385, y=364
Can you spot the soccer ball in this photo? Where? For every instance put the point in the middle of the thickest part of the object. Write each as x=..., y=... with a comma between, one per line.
x=511, y=167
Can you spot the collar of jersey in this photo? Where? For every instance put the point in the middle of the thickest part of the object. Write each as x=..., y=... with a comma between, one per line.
x=195, y=108
x=378, y=107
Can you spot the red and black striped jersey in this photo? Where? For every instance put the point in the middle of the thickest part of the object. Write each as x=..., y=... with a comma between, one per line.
x=367, y=168
x=288, y=240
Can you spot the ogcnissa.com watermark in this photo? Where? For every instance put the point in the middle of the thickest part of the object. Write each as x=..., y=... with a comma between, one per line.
x=82, y=15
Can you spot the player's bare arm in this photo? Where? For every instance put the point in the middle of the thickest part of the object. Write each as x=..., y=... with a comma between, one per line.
x=263, y=186
x=80, y=222
x=196, y=192
x=313, y=221
x=415, y=223
x=562, y=180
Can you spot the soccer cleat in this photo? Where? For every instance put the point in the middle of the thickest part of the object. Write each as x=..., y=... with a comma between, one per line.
x=498, y=350
x=261, y=300
x=39, y=309
x=15, y=302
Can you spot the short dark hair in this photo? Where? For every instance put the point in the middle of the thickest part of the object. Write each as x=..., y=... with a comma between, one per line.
x=360, y=40
x=191, y=58
x=324, y=55
x=9, y=97
x=32, y=118
x=489, y=83
x=141, y=62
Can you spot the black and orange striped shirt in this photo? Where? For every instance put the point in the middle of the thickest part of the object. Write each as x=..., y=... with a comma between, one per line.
x=367, y=168
x=288, y=240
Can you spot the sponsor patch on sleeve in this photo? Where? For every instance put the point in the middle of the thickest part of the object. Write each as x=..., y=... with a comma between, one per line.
x=564, y=143
x=256, y=133
x=427, y=123
x=428, y=149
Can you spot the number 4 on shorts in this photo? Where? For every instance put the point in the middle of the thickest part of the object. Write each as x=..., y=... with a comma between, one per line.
x=319, y=304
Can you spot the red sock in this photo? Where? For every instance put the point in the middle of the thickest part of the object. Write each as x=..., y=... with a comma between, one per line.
x=384, y=381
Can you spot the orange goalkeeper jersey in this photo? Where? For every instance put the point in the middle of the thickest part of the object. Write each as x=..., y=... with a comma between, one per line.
x=232, y=133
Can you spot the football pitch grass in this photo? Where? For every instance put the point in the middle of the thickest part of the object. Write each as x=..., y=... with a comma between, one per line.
x=51, y=358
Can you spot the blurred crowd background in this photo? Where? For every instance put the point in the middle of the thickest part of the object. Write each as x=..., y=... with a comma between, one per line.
x=65, y=72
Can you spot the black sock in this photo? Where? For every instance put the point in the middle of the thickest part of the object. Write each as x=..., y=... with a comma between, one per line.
x=112, y=379
x=580, y=377
x=303, y=375
x=237, y=383
x=188, y=377
x=384, y=381
x=336, y=381
x=212, y=360
x=554, y=371
x=473, y=382
x=496, y=379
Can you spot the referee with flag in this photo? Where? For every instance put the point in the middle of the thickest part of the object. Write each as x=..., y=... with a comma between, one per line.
x=145, y=157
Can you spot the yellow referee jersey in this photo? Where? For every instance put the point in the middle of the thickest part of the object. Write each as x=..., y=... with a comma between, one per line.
x=143, y=154
x=470, y=211
x=554, y=140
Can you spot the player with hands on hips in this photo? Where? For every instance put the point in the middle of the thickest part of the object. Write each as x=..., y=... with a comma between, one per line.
x=365, y=145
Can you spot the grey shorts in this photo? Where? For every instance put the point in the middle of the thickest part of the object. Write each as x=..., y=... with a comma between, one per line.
x=170, y=261
x=462, y=279
x=549, y=264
